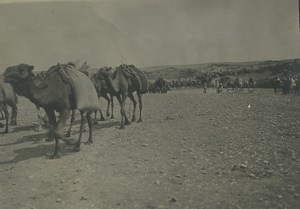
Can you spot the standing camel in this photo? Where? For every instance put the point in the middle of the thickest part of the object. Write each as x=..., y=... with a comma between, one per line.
x=100, y=86
x=123, y=82
x=103, y=91
x=62, y=90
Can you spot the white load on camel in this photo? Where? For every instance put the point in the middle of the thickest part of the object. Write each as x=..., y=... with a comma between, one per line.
x=84, y=92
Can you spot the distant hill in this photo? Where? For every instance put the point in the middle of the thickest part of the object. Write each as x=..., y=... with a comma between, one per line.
x=260, y=71
x=256, y=69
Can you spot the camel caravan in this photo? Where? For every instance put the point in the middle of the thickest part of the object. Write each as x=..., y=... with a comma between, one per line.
x=65, y=88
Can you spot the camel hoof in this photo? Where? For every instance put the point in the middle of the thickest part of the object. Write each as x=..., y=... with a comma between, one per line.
x=107, y=114
x=112, y=117
x=127, y=123
x=68, y=142
x=68, y=134
x=139, y=121
x=38, y=129
x=122, y=127
x=5, y=132
x=49, y=139
x=133, y=120
x=1, y=125
x=102, y=119
x=55, y=156
x=76, y=148
x=89, y=142
x=95, y=123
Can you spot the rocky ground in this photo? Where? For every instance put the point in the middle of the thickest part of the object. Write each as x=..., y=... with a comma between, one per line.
x=193, y=150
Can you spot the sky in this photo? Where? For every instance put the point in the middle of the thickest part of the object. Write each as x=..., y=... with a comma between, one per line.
x=147, y=32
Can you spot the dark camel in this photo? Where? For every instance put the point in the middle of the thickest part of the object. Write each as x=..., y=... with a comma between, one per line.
x=103, y=91
x=123, y=82
x=54, y=94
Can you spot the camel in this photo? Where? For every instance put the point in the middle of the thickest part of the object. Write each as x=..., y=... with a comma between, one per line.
x=62, y=90
x=100, y=86
x=123, y=82
x=103, y=91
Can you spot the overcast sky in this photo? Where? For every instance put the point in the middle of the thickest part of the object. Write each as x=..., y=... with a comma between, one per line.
x=147, y=32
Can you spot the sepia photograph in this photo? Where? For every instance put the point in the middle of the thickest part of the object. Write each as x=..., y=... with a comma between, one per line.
x=149, y=104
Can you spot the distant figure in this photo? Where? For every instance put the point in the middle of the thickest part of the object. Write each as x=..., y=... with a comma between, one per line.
x=251, y=80
x=205, y=87
x=219, y=86
x=276, y=84
x=251, y=84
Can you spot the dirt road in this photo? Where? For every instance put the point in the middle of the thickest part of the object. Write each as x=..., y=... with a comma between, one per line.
x=193, y=150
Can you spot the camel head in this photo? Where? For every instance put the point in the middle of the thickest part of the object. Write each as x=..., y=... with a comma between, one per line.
x=104, y=72
x=17, y=75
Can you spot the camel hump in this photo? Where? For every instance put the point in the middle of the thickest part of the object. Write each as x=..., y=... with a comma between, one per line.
x=137, y=76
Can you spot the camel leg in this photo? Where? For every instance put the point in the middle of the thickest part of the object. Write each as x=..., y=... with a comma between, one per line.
x=13, y=119
x=95, y=117
x=124, y=97
x=68, y=134
x=108, y=104
x=112, y=107
x=124, y=119
x=89, y=119
x=82, y=123
x=6, y=114
x=140, y=107
x=63, y=116
x=101, y=115
x=134, y=107
x=121, y=111
x=53, y=126
x=38, y=110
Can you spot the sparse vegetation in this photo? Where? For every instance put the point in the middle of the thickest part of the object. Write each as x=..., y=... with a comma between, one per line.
x=261, y=71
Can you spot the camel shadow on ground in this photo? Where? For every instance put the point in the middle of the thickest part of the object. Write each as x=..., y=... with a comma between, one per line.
x=100, y=125
x=104, y=124
x=36, y=138
x=25, y=128
x=44, y=150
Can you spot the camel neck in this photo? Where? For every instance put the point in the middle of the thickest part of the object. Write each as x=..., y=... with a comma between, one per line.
x=30, y=91
x=112, y=83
